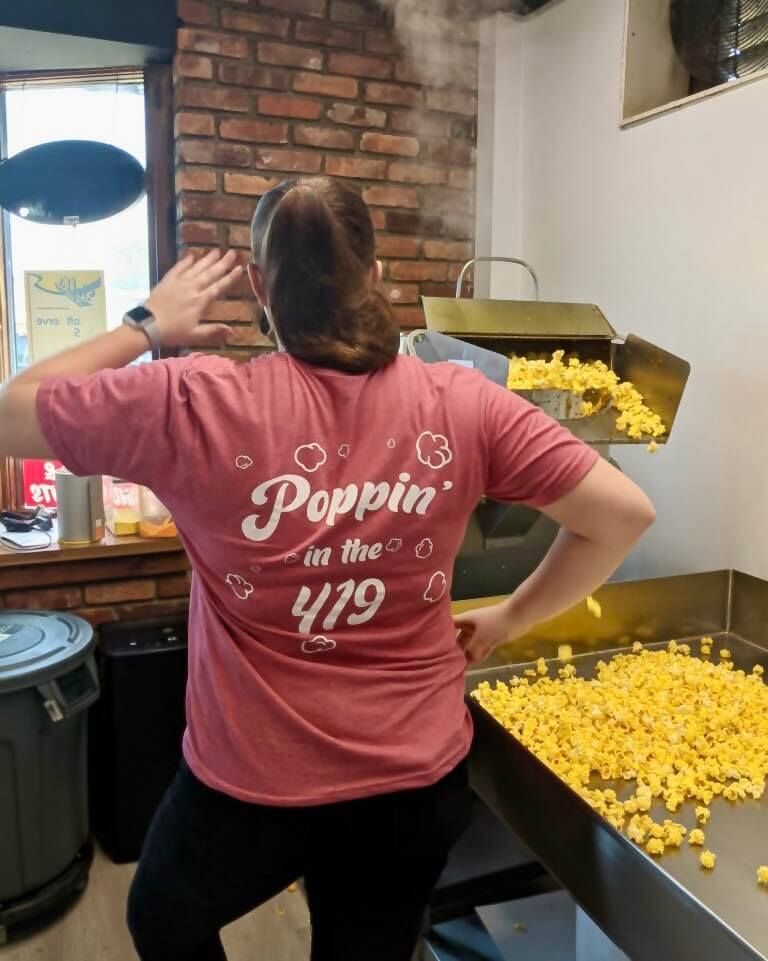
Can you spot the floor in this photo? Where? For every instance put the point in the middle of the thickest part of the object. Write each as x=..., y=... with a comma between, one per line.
x=94, y=929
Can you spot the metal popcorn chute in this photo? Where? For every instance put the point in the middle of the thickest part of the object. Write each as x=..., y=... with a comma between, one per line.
x=504, y=543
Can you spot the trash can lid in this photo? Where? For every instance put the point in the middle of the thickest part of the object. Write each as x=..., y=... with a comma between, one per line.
x=36, y=646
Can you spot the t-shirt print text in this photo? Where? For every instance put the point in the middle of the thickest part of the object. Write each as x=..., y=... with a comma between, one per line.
x=325, y=607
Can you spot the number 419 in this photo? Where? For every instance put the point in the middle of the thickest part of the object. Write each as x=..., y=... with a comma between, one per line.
x=366, y=596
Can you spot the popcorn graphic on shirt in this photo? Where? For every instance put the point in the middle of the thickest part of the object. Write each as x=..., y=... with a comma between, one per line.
x=344, y=450
x=424, y=548
x=432, y=450
x=318, y=645
x=291, y=558
x=391, y=443
x=243, y=462
x=241, y=588
x=394, y=544
x=310, y=457
x=436, y=588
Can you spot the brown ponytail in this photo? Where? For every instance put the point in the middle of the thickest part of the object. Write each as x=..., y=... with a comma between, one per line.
x=314, y=242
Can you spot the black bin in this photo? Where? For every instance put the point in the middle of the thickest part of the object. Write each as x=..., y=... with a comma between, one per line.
x=136, y=729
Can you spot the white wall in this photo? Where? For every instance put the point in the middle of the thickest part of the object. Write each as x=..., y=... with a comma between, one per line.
x=665, y=226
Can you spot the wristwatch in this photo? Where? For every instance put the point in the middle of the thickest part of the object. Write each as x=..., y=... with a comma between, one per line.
x=144, y=320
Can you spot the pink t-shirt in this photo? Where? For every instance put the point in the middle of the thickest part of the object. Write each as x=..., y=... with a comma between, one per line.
x=321, y=513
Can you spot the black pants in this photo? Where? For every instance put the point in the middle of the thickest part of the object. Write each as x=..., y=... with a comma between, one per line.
x=369, y=867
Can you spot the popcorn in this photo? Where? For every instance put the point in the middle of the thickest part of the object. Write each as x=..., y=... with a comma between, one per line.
x=762, y=875
x=673, y=728
x=635, y=418
x=594, y=607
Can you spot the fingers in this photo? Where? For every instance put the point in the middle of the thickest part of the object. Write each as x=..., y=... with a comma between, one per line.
x=209, y=335
x=215, y=290
x=201, y=265
x=212, y=268
x=181, y=267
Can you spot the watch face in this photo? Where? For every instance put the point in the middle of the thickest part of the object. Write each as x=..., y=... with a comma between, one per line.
x=139, y=314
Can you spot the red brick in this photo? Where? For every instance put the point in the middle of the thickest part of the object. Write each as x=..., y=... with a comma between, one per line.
x=119, y=591
x=356, y=167
x=431, y=289
x=52, y=599
x=194, y=11
x=382, y=41
x=194, y=65
x=211, y=152
x=356, y=115
x=198, y=232
x=379, y=219
x=232, y=311
x=461, y=179
x=417, y=173
x=197, y=124
x=455, y=65
x=212, y=97
x=207, y=41
x=238, y=236
x=408, y=222
x=326, y=138
x=392, y=93
x=410, y=316
x=290, y=161
x=16, y=576
x=195, y=179
x=447, y=250
x=310, y=8
x=324, y=33
x=451, y=153
x=254, y=131
x=325, y=85
x=207, y=207
x=250, y=185
x=423, y=124
x=391, y=197
x=416, y=270
x=252, y=75
x=250, y=336
x=402, y=293
x=365, y=12
x=175, y=586
x=154, y=609
x=360, y=65
x=286, y=55
x=255, y=23
x=285, y=105
x=388, y=246
x=452, y=101
x=385, y=143
x=96, y=616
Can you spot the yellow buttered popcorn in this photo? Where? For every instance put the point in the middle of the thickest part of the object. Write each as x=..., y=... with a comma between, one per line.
x=635, y=418
x=707, y=860
x=652, y=729
x=594, y=607
x=762, y=875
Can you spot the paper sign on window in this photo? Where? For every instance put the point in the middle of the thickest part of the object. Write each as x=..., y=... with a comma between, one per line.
x=64, y=308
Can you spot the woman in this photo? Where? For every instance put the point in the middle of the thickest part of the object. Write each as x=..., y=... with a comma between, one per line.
x=321, y=493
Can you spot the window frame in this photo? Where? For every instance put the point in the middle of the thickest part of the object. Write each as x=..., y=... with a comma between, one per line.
x=161, y=211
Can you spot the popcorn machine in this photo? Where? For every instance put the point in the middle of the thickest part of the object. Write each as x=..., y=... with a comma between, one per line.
x=504, y=543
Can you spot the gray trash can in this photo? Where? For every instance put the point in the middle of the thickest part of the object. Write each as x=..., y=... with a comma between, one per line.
x=47, y=680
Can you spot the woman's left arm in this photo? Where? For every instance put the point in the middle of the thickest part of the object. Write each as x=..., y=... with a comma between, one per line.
x=178, y=302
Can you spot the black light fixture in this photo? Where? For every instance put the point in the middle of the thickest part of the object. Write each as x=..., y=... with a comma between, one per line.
x=70, y=182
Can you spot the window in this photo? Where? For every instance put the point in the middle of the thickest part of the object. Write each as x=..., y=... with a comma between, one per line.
x=128, y=248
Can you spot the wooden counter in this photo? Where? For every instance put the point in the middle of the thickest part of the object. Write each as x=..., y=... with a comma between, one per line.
x=108, y=548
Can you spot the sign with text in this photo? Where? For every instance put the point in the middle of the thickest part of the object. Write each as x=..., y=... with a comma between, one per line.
x=39, y=478
x=64, y=308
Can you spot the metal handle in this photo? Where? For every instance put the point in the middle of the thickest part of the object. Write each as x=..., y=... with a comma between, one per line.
x=499, y=260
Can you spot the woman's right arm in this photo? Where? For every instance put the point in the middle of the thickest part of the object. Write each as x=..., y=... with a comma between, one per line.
x=601, y=520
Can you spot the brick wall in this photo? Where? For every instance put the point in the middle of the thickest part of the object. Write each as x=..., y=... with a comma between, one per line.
x=108, y=589
x=267, y=89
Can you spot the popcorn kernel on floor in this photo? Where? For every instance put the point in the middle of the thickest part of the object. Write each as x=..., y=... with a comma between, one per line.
x=673, y=727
